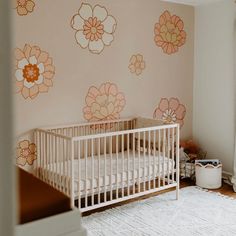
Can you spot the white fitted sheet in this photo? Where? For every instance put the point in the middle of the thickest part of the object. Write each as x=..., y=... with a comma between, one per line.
x=141, y=169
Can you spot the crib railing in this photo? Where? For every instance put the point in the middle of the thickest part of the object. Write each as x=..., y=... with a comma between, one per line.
x=143, y=169
x=107, y=162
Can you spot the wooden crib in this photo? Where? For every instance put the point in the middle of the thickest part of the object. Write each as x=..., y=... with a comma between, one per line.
x=102, y=163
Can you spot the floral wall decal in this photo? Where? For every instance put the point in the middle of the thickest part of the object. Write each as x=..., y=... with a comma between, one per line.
x=169, y=33
x=34, y=71
x=94, y=27
x=26, y=153
x=23, y=7
x=104, y=103
x=136, y=64
x=170, y=111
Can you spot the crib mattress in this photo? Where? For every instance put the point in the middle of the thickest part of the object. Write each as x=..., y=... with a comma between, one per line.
x=113, y=170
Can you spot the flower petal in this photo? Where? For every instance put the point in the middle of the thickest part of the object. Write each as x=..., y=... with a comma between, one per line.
x=30, y=5
x=180, y=112
x=43, y=88
x=27, y=50
x=24, y=144
x=19, y=86
x=43, y=57
x=109, y=24
x=33, y=60
x=173, y=103
x=34, y=91
x=85, y=11
x=48, y=74
x=100, y=12
x=107, y=38
x=40, y=80
x=81, y=39
x=28, y=84
x=157, y=114
x=22, y=63
x=48, y=82
x=21, y=161
x=30, y=159
x=96, y=46
x=19, y=55
x=77, y=22
x=22, y=11
x=35, y=51
x=19, y=75
x=25, y=92
x=41, y=68
x=49, y=68
x=164, y=104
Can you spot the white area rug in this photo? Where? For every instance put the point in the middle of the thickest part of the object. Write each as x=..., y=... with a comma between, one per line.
x=197, y=212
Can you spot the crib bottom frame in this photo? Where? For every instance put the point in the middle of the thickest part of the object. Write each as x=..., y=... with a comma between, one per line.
x=66, y=145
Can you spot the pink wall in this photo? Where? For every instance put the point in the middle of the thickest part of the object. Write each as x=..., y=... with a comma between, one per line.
x=133, y=59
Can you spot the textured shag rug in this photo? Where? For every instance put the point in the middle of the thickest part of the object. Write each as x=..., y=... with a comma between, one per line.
x=197, y=212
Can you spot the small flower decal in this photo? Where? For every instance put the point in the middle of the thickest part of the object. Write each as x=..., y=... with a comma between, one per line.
x=169, y=33
x=26, y=153
x=103, y=103
x=24, y=7
x=94, y=27
x=34, y=71
x=137, y=64
x=170, y=111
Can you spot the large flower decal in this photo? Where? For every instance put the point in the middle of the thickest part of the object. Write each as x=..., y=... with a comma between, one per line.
x=137, y=64
x=34, y=71
x=170, y=111
x=94, y=27
x=103, y=103
x=23, y=7
x=169, y=33
x=26, y=153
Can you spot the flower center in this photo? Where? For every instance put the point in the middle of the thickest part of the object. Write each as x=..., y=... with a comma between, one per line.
x=169, y=116
x=25, y=152
x=31, y=73
x=21, y=3
x=93, y=29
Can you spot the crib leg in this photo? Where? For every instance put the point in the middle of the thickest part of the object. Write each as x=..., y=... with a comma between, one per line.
x=177, y=192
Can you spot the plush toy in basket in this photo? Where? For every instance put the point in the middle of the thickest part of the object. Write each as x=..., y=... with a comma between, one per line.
x=189, y=152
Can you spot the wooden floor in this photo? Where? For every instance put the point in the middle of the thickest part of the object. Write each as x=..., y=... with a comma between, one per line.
x=225, y=190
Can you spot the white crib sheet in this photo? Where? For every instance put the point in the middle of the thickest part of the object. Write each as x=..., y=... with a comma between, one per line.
x=141, y=169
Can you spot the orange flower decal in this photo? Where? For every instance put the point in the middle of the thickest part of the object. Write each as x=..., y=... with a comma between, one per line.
x=24, y=7
x=104, y=103
x=26, y=153
x=137, y=64
x=170, y=111
x=169, y=33
x=94, y=27
x=34, y=71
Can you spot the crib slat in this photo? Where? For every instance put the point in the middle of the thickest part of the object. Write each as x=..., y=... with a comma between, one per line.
x=117, y=169
x=128, y=167
x=154, y=158
x=122, y=147
x=86, y=173
x=105, y=166
x=159, y=158
x=149, y=156
x=99, y=157
x=144, y=161
x=79, y=174
x=177, y=162
x=133, y=135
x=92, y=168
x=111, y=166
x=163, y=157
x=139, y=147
x=168, y=156
x=172, y=153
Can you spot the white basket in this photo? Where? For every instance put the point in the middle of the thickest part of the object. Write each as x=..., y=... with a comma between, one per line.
x=208, y=176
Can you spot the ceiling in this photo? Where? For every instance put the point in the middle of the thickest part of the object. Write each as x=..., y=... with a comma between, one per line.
x=193, y=2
